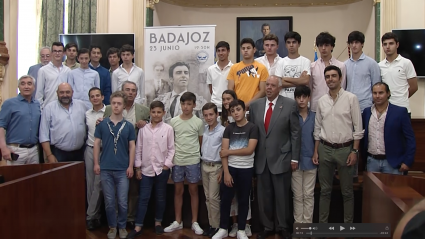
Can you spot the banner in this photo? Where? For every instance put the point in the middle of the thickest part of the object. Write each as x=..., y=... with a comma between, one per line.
x=176, y=60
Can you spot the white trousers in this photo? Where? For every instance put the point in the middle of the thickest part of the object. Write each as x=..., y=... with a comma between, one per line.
x=303, y=182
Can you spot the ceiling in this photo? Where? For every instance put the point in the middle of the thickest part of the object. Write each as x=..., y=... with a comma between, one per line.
x=257, y=3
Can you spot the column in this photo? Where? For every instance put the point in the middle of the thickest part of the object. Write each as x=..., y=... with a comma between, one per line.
x=139, y=23
x=102, y=16
x=377, y=30
x=388, y=18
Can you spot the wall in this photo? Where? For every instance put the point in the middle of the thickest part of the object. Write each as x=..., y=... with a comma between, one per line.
x=308, y=21
x=120, y=18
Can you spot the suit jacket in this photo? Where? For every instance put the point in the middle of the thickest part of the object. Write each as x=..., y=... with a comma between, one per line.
x=142, y=113
x=282, y=142
x=152, y=93
x=400, y=143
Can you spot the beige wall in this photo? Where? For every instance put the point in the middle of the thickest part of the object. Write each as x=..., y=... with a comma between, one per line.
x=308, y=21
x=120, y=16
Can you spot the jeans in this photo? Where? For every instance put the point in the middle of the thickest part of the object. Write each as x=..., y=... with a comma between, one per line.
x=242, y=178
x=145, y=194
x=110, y=181
x=381, y=166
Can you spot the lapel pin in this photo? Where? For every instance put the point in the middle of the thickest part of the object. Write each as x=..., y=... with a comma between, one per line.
x=280, y=107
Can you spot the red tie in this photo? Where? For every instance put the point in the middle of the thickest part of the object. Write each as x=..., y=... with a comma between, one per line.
x=268, y=116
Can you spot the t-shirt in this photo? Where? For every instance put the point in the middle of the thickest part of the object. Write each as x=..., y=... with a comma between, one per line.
x=292, y=68
x=238, y=139
x=247, y=79
x=109, y=160
x=186, y=140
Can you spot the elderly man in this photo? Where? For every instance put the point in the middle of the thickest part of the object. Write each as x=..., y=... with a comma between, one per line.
x=63, y=128
x=20, y=117
x=179, y=74
x=276, y=156
x=45, y=57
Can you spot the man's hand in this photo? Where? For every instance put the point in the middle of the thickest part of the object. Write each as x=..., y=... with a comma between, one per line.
x=130, y=172
x=99, y=120
x=96, y=169
x=165, y=168
x=52, y=159
x=224, y=153
x=352, y=158
x=294, y=166
x=140, y=124
x=219, y=177
x=315, y=158
x=303, y=74
x=403, y=168
x=5, y=153
x=228, y=180
x=139, y=174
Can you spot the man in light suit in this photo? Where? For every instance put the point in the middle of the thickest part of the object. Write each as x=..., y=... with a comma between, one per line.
x=276, y=156
x=389, y=140
x=156, y=86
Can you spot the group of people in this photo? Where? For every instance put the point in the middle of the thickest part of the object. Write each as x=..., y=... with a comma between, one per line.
x=276, y=119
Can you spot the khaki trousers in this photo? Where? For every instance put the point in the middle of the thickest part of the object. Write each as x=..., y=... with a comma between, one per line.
x=212, y=192
x=303, y=182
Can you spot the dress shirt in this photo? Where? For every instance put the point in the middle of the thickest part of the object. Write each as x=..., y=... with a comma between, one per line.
x=73, y=67
x=217, y=78
x=33, y=71
x=396, y=74
x=20, y=119
x=270, y=68
x=105, y=81
x=336, y=119
x=130, y=115
x=307, y=141
x=91, y=117
x=81, y=81
x=318, y=84
x=48, y=79
x=136, y=75
x=155, y=148
x=211, y=143
x=64, y=128
x=361, y=76
x=267, y=106
x=376, y=140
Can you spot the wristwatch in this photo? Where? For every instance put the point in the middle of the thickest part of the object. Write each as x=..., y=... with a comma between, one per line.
x=355, y=151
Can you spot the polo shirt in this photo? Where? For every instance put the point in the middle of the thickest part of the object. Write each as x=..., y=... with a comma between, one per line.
x=217, y=78
x=396, y=74
x=109, y=160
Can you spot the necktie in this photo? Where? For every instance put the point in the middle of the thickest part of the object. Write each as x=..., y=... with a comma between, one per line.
x=173, y=106
x=268, y=116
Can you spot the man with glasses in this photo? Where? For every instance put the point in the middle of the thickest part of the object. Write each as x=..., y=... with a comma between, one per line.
x=48, y=78
x=45, y=57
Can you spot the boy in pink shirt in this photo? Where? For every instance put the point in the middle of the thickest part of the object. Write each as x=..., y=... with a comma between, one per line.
x=154, y=158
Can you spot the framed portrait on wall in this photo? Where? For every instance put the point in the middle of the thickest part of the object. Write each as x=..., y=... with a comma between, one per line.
x=257, y=27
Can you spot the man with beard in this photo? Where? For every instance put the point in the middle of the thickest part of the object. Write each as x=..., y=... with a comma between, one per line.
x=45, y=57
x=62, y=127
x=179, y=74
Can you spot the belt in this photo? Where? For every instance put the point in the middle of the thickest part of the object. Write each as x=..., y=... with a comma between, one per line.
x=378, y=156
x=27, y=146
x=93, y=147
x=337, y=145
x=211, y=163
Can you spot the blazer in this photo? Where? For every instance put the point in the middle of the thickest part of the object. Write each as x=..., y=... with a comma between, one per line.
x=282, y=142
x=400, y=143
x=142, y=113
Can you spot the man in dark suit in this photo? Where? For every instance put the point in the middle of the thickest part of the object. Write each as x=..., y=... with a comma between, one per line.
x=276, y=156
x=389, y=140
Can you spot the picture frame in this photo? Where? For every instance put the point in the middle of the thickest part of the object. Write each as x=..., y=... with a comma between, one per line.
x=251, y=27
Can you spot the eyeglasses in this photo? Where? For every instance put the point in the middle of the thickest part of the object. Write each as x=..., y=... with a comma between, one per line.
x=56, y=51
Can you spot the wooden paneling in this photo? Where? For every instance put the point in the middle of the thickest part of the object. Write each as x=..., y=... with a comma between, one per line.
x=48, y=204
x=15, y=172
x=419, y=129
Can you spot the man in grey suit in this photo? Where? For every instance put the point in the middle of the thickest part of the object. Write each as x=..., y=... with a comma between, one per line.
x=276, y=156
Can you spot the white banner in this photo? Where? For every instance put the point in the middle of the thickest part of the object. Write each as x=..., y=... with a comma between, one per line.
x=176, y=60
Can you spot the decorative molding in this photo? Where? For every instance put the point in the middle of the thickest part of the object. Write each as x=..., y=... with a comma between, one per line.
x=102, y=16
x=256, y=3
x=151, y=4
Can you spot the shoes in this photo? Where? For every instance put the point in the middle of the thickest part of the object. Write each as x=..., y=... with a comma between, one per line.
x=248, y=230
x=206, y=231
x=210, y=232
x=159, y=230
x=264, y=234
x=134, y=234
x=285, y=234
x=174, y=226
x=122, y=233
x=197, y=229
x=131, y=225
x=234, y=230
x=93, y=224
x=241, y=234
x=112, y=233
x=222, y=233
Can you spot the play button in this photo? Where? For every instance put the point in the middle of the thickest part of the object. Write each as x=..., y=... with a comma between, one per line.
x=341, y=228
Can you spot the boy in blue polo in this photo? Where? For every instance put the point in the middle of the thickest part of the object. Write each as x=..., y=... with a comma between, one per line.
x=116, y=165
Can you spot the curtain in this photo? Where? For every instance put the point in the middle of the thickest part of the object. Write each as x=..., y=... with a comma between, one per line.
x=51, y=22
x=82, y=16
